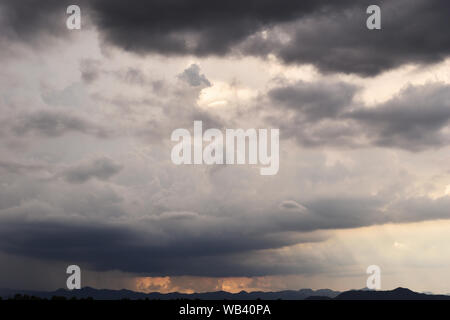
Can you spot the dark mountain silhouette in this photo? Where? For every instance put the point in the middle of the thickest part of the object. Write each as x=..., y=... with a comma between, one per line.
x=396, y=294
x=303, y=294
x=105, y=294
x=318, y=298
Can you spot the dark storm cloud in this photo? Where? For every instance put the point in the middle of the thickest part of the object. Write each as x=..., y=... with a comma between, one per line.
x=194, y=27
x=412, y=32
x=101, y=168
x=148, y=249
x=31, y=21
x=421, y=207
x=160, y=26
x=54, y=124
x=324, y=113
x=188, y=243
x=414, y=120
x=331, y=35
x=311, y=113
x=79, y=222
x=314, y=100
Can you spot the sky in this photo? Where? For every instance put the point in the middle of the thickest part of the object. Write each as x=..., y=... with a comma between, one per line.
x=86, y=118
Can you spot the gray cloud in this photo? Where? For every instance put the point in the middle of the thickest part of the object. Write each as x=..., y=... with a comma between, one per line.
x=193, y=27
x=340, y=41
x=292, y=205
x=54, y=124
x=192, y=244
x=33, y=22
x=314, y=100
x=101, y=168
x=414, y=120
x=89, y=70
x=332, y=35
x=158, y=219
x=324, y=113
x=212, y=241
x=169, y=245
x=19, y=168
x=192, y=76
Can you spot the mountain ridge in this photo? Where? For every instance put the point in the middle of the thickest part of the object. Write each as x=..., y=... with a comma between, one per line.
x=109, y=294
x=301, y=294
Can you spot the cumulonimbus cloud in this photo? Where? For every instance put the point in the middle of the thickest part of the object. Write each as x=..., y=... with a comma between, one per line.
x=331, y=35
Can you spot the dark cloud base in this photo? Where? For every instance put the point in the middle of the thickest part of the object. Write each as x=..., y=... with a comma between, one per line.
x=325, y=113
x=220, y=248
x=331, y=35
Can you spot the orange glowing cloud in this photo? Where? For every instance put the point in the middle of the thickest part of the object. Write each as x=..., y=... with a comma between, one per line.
x=187, y=284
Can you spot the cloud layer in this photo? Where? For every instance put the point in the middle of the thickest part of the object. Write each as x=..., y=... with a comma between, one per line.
x=86, y=176
x=328, y=34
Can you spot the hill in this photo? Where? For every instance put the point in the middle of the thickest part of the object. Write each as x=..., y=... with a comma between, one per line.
x=105, y=294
